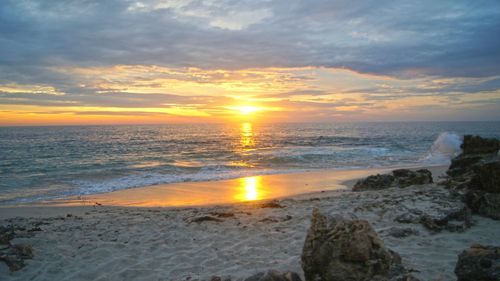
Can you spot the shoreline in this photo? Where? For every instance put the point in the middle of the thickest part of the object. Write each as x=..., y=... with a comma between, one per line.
x=303, y=185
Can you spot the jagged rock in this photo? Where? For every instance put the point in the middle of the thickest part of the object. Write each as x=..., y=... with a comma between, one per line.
x=218, y=278
x=337, y=248
x=479, y=263
x=14, y=256
x=478, y=145
x=401, y=232
x=408, y=218
x=223, y=214
x=406, y=277
x=405, y=177
x=452, y=218
x=6, y=234
x=272, y=204
x=461, y=165
x=374, y=182
x=274, y=275
x=401, y=178
x=205, y=218
x=476, y=174
x=489, y=176
x=484, y=203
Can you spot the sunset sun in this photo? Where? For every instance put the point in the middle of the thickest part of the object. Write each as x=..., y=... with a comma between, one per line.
x=246, y=109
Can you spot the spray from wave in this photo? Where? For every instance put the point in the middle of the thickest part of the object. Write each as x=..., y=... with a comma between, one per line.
x=444, y=148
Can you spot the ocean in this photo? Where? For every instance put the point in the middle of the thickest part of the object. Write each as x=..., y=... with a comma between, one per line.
x=40, y=163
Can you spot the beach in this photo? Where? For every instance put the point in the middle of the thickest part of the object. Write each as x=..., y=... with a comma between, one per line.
x=125, y=242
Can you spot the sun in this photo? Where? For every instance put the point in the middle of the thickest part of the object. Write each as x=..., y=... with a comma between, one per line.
x=246, y=109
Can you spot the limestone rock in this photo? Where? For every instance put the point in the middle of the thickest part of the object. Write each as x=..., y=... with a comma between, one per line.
x=489, y=176
x=14, y=256
x=274, y=275
x=272, y=204
x=484, y=203
x=478, y=145
x=479, y=263
x=337, y=248
x=476, y=174
x=6, y=234
x=401, y=178
x=374, y=182
x=454, y=217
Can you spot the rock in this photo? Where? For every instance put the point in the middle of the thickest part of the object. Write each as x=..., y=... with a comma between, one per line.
x=405, y=177
x=479, y=263
x=337, y=248
x=6, y=234
x=452, y=217
x=406, y=277
x=14, y=256
x=401, y=232
x=408, y=218
x=272, y=204
x=478, y=145
x=489, y=176
x=273, y=219
x=400, y=177
x=476, y=175
x=218, y=278
x=223, y=214
x=274, y=275
x=374, y=182
x=461, y=165
x=205, y=218
x=484, y=203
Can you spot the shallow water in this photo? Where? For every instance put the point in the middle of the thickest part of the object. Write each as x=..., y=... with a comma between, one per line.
x=50, y=162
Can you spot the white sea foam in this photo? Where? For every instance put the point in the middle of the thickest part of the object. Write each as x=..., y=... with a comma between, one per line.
x=444, y=148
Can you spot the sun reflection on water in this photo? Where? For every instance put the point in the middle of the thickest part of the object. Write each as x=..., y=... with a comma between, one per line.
x=249, y=189
x=247, y=139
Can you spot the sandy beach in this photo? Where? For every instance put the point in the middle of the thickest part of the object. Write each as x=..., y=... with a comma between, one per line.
x=106, y=242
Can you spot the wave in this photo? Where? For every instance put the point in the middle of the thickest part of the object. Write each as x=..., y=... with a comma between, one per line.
x=444, y=148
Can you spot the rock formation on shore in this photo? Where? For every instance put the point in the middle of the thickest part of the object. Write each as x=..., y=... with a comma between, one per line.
x=475, y=175
x=400, y=178
x=13, y=254
x=479, y=263
x=338, y=248
x=274, y=275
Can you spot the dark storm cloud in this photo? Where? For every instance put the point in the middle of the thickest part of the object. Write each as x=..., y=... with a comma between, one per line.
x=400, y=38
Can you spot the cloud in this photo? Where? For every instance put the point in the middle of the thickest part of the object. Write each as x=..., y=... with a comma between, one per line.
x=317, y=59
x=403, y=38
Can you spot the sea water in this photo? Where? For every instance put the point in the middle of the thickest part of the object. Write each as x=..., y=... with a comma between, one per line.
x=39, y=163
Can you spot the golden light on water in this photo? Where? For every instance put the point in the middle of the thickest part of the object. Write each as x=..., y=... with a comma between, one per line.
x=249, y=189
x=246, y=135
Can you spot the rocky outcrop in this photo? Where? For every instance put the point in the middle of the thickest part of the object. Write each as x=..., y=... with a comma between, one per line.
x=454, y=217
x=478, y=145
x=400, y=178
x=337, y=248
x=479, y=263
x=476, y=175
x=274, y=275
x=13, y=255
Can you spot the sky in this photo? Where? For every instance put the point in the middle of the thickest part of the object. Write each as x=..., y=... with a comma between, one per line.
x=160, y=61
